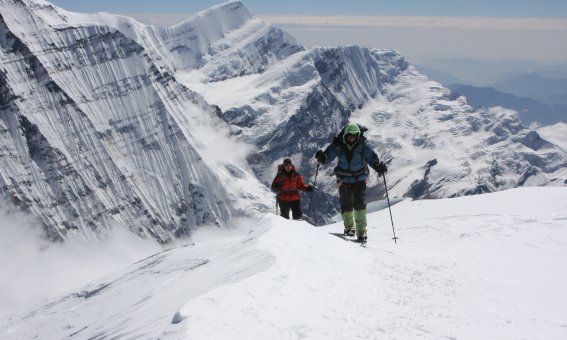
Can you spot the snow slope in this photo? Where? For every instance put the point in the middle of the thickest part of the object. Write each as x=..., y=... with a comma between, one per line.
x=489, y=266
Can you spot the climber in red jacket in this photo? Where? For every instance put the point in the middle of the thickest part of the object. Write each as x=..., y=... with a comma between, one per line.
x=287, y=184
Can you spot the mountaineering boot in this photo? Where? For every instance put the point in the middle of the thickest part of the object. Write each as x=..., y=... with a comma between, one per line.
x=360, y=219
x=362, y=239
x=348, y=221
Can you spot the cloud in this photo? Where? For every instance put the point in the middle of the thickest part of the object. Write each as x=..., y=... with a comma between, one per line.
x=163, y=20
x=35, y=270
x=383, y=21
x=427, y=38
x=424, y=38
x=420, y=22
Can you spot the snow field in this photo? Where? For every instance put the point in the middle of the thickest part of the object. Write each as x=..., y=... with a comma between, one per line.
x=465, y=268
x=479, y=267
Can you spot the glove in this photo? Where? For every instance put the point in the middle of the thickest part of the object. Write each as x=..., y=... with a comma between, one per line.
x=310, y=188
x=320, y=156
x=276, y=187
x=379, y=167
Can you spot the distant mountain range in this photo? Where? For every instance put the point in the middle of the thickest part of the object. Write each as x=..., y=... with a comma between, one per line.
x=537, y=96
x=485, y=73
x=529, y=110
x=546, y=84
x=443, y=77
x=534, y=85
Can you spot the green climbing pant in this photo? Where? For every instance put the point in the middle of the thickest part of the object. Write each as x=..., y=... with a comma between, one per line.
x=360, y=220
x=348, y=220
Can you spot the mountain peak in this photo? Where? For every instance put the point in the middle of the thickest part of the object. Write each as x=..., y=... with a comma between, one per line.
x=101, y=133
x=227, y=12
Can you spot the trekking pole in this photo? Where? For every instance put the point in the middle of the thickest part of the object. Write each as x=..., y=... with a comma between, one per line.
x=313, y=192
x=276, y=204
x=391, y=219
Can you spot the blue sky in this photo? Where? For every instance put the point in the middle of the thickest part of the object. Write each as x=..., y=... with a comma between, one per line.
x=491, y=8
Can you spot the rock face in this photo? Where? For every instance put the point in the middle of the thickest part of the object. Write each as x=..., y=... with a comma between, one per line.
x=95, y=130
x=107, y=121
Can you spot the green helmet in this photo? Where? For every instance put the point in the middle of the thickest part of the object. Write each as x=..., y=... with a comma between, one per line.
x=351, y=129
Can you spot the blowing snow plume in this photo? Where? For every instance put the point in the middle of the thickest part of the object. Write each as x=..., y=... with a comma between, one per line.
x=36, y=270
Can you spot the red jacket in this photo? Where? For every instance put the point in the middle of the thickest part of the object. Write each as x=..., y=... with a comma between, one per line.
x=288, y=184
